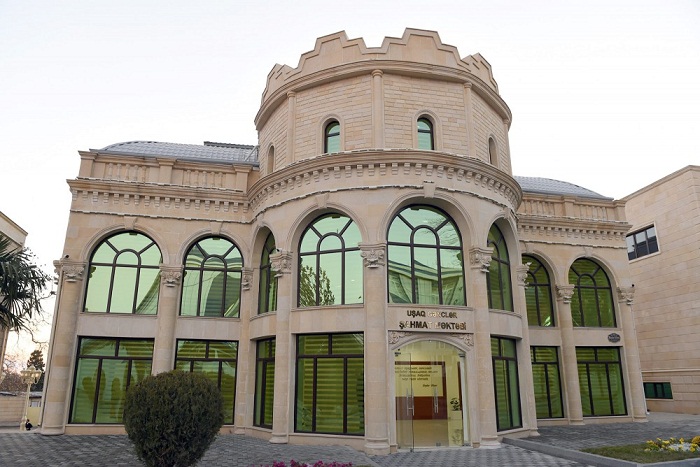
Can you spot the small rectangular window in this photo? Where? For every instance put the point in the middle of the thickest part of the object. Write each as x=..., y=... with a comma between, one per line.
x=658, y=391
x=642, y=243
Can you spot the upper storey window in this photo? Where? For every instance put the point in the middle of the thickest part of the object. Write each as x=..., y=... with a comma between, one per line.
x=538, y=294
x=425, y=134
x=330, y=265
x=425, y=258
x=212, y=282
x=498, y=278
x=124, y=275
x=267, y=298
x=331, y=137
x=592, y=302
x=642, y=242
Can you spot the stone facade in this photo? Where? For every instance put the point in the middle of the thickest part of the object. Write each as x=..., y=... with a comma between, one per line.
x=376, y=95
x=667, y=289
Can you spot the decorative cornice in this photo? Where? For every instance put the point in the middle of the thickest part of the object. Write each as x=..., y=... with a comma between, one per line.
x=170, y=276
x=246, y=278
x=480, y=258
x=373, y=254
x=557, y=228
x=71, y=271
x=626, y=294
x=565, y=292
x=281, y=262
x=522, y=274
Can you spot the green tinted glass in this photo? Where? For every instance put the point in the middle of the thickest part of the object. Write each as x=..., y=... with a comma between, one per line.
x=313, y=344
x=348, y=344
x=98, y=347
x=136, y=348
x=223, y=350
x=191, y=349
x=84, y=388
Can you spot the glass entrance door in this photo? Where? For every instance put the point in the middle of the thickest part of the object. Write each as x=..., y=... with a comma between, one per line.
x=429, y=395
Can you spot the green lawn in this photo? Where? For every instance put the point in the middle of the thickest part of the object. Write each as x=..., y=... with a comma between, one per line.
x=636, y=453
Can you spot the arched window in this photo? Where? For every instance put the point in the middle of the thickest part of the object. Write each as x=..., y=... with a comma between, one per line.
x=425, y=134
x=212, y=282
x=267, y=297
x=425, y=258
x=124, y=275
x=330, y=265
x=538, y=294
x=498, y=278
x=331, y=137
x=270, y=160
x=592, y=302
x=493, y=154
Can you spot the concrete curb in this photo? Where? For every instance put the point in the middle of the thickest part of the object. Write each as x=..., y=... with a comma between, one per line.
x=591, y=459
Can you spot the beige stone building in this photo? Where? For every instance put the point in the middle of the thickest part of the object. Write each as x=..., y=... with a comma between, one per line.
x=357, y=277
x=664, y=260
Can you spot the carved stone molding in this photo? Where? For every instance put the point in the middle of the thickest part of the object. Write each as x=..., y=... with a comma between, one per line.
x=395, y=336
x=480, y=258
x=522, y=274
x=281, y=262
x=625, y=294
x=247, y=278
x=565, y=292
x=72, y=270
x=373, y=254
x=468, y=339
x=170, y=276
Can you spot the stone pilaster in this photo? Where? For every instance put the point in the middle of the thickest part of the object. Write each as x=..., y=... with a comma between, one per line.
x=291, y=125
x=469, y=106
x=168, y=306
x=62, y=345
x=568, y=353
x=377, y=109
x=625, y=299
x=485, y=432
x=376, y=350
x=281, y=264
x=527, y=392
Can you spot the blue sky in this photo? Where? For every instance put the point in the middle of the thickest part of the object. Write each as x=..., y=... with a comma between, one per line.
x=604, y=94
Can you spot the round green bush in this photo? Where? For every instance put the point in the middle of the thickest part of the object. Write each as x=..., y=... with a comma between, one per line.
x=173, y=417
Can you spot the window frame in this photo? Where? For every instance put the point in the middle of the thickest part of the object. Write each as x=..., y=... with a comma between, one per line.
x=327, y=135
x=587, y=375
x=634, y=247
x=267, y=278
x=263, y=362
x=577, y=298
x=511, y=364
x=538, y=289
x=501, y=267
x=430, y=131
x=553, y=365
x=115, y=266
x=658, y=390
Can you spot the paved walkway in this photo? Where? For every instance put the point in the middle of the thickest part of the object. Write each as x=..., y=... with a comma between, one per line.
x=32, y=449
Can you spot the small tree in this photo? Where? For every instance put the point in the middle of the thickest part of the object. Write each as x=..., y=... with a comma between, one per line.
x=36, y=359
x=173, y=417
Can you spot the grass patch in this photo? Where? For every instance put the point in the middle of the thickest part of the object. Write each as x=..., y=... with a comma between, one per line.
x=636, y=453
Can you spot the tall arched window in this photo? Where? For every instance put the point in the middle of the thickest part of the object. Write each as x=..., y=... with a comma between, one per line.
x=538, y=294
x=212, y=282
x=493, y=154
x=592, y=302
x=425, y=258
x=498, y=278
x=267, y=296
x=331, y=137
x=330, y=265
x=124, y=275
x=426, y=138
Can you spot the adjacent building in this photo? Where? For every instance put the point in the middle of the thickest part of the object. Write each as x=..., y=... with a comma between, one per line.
x=664, y=256
x=370, y=273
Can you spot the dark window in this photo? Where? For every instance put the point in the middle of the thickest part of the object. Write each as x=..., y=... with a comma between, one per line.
x=425, y=134
x=505, y=382
x=264, y=383
x=217, y=361
x=267, y=297
x=658, y=391
x=330, y=265
x=498, y=280
x=124, y=275
x=105, y=370
x=547, y=382
x=600, y=379
x=330, y=392
x=642, y=243
x=425, y=258
x=331, y=137
x=538, y=294
x=212, y=282
x=592, y=302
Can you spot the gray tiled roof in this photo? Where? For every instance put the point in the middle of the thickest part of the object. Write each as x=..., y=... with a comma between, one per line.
x=547, y=186
x=212, y=152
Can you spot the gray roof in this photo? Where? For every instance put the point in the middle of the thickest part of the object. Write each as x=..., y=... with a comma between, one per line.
x=547, y=186
x=209, y=152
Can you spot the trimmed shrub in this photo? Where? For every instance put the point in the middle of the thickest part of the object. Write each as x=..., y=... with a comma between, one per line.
x=173, y=417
